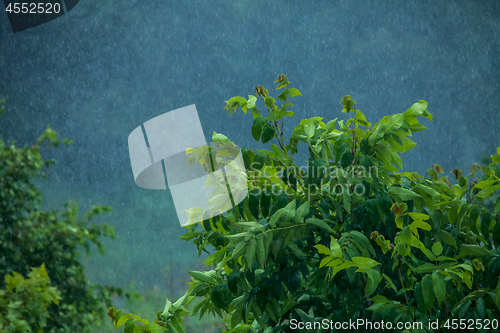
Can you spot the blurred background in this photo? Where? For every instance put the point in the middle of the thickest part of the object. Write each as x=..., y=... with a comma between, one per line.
x=106, y=67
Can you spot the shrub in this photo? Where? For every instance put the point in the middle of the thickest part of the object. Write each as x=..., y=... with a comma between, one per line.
x=23, y=305
x=348, y=237
x=30, y=237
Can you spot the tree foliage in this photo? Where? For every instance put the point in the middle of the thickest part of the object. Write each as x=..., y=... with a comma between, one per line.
x=349, y=236
x=32, y=237
x=24, y=302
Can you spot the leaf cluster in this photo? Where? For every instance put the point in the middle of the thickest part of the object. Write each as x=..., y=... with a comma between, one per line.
x=24, y=302
x=349, y=235
x=32, y=237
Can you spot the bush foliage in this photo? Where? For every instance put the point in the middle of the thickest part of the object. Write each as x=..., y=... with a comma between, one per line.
x=24, y=302
x=32, y=237
x=347, y=237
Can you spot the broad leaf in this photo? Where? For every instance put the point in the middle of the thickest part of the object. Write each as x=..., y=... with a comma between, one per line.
x=403, y=194
x=428, y=291
x=364, y=263
x=257, y=126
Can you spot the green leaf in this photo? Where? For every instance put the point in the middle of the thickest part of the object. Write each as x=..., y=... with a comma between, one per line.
x=377, y=134
x=417, y=109
x=363, y=241
x=403, y=194
x=330, y=262
x=364, y=263
x=309, y=130
x=267, y=133
x=257, y=125
x=270, y=102
x=428, y=291
x=344, y=265
x=259, y=161
x=464, y=308
x=348, y=103
x=122, y=320
x=129, y=326
x=253, y=202
x=432, y=192
x=405, y=235
x=154, y=328
x=426, y=268
x=390, y=283
x=265, y=200
x=383, y=154
x=330, y=126
x=407, y=142
x=294, y=92
x=394, y=123
x=298, y=252
x=218, y=137
x=498, y=291
x=360, y=117
x=420, y=225
x=335, y=247
x=250, y=253
x=417, y=127
x=486, y=183
x=283, y=215
x=275, y=116
x=255, y=113
x=284, y=158
x=437, y=248
x=236, y=317
x=474, y=250
x=238, y=237
x=431, y=172
x=301, y=212
x=327, y=260
x=261, y=251
x=247, y=157
x=246, y=209
x=251, y=101
x=487, y=192
x=320, y=223
x=323, y=249
x=480, y=307
x=447, y=238
x=418, y=216
x=234, y=102
x=211, y=258
x=373, y=281
x=439, y=286
x=485, y=225
x=189, y=235
x=396, y=159
x=178, y=323
x=419, y=297
x=202, y=276
x=268, y=237
x=238, y=300
x=199, y=290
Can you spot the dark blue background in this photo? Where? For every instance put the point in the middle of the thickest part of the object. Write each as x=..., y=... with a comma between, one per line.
x=104, y=68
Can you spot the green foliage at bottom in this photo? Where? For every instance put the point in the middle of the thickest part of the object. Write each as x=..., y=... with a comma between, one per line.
x=24, y=302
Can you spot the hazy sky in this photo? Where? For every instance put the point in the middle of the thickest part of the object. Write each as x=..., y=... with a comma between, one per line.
x=104, y=68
